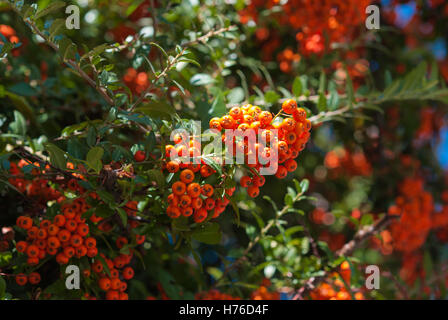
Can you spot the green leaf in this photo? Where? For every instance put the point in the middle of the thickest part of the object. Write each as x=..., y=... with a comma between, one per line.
x=95, y=51
x=236, y=95
x=349, y=89
x=55, y=5
x=209, y=234
x=322, y=102
x=123, y=216
x=304, y=184
x=2, y=287
x=271, y=97
x=94, y=158
x=297, y=87
x=57, y=156
x=218, y=107
x=56, y=26
x=19, y=125
x=158, y=108
x=201, y=79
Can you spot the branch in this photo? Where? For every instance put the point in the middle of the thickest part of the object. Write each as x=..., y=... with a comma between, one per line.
x=70, y=63
x=347, y=249
x=173, y=61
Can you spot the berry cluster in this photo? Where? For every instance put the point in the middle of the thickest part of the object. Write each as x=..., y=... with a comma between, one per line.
x=191, y=195
x=333, y=288
x=10, y=34
x=37, y=188
x=317, y=25
x=415, y=207
x=65, y=236
x=292, y=136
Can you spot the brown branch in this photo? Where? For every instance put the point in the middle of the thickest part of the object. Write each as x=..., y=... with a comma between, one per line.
x=362, y=234
x=174, y=60
x=70, y=63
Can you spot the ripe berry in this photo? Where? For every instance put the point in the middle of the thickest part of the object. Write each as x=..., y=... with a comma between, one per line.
x=187, y=176
x=245, y=181
x=112, y=295
x=200, y=215
x=172, y=166
x=21, y=246
x=194, y=190
x=139, y=156
x=128, y=273
x=187, y=211
x=179, y=188
x=207, y=190
x=253, y=191
x=104, y=284
x=21, y=279
x=34, y=278
x=289, y=106
x=265, y=117
x=291, y=165
x=281, y=172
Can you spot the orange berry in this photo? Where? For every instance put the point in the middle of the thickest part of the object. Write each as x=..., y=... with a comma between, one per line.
x=97, y=266
x=76, y=240
x=69, y=251
x=253, y=191
x=41, y=234
x=227, y=122
x=200, y=215
x=207, y=190
x=90, y=242
x=194, y=190
x=282, y=172
x=172, y=166
x=258, y=181
x=112, y=295
x=121, y=242
x=53, y=230
x=32, y=232
x=173, y=212
x=265, y=118
x=32, y=251
x=59, y=220
x=196, y=203
x=289, y=106
x=187, y=176
x=128, y=273
x=299, y=115
x=184, y=201
x=236, y=113
x=187, y=211
x=173, y=200
x=34, y=278
x=21, y=279
x=288, y=124
x=21, y=246
x=64, y=235
x=245, y=181
x=104, y=284
x=62, y=258
x=115, y=284
x=179, y=188
x=291, y=165
x=215, y=123
x=26, y=223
